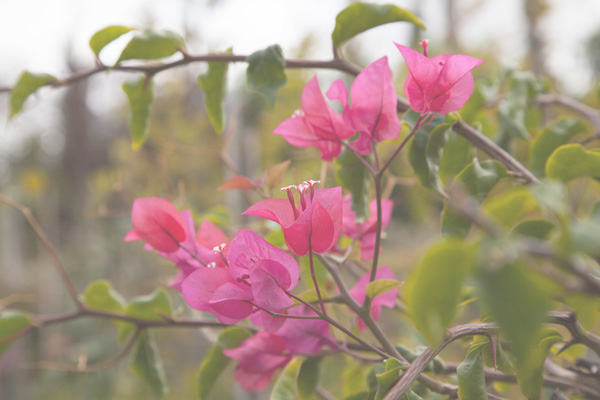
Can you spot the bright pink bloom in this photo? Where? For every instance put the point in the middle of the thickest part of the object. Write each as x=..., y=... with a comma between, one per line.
x=157, y=222
x=267, y=270
x=198, y=250
x=441, y=84
x=387, y=299
x=316, y=224
x=317, y=124
x=305, y=336
x=258, y=358
x=373, y=110
x=215, y=291
x=366, y=231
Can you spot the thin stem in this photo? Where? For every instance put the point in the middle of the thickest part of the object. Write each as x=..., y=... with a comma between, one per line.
x=368, y=166
x=418, y=125
x=47, y=245
x=95, y=367
x=314, y=276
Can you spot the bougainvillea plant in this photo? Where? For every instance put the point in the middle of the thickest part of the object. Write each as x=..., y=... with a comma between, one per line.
x=515, y=259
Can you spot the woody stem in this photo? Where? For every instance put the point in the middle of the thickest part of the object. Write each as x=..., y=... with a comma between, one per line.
x=314, y=277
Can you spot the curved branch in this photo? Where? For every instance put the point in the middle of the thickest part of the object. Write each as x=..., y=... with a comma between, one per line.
x=47, y=245
x=589, y=113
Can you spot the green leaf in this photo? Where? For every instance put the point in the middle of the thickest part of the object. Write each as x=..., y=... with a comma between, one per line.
x=27, y=84
x=551, y=195
x=573, y=161
x=213, y=364
x=511, y=206
x=359, y=17
x=471, y=378
x=381, y=286
x=308, y=377
x=552, y=137
x=214, y=84
x=354, y=176
x=148, y=365
x=504, y=362
x=458, y=153
x=535, y=228
x=105, y=36
x=100, y=295
x=285, y=386
x=387, y=378
x=216, y=361
x=11, y=323
x=586, y=308
x=512, y=112
x=583, y=237
x=530, y=370
x=151, y=45
x=434, y=366
x=140, y=94
x=517, y=301
x=477, y=179
x=266, y=73
x=426, y=152
x=233, y=337
x=433, y=290
x=148, y=307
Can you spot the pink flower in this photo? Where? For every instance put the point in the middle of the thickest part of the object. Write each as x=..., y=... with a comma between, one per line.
x=267, y=270
x=305, y=336
x=366, y=231
x=258, y=358
x=387, y=299
x=317, y=124
x=373, y=110
x=158, y=223
x=214, y=290
x=316, y=224
x=441, y=84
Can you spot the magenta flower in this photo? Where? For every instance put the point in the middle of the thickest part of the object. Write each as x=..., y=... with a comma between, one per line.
x=373, y=110
x=305, y=336
x=316, y=224
x=366, y=231
x=214, y=290
x=157, y=222
x=441, y=84
x=268, y=271
x=258, y=358
x=387, y=299
x=317, y=124
x=196, y=251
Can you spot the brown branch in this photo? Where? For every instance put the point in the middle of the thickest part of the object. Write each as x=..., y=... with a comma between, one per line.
x=591, y=114
x=572, y=383
x=47, y=245
x=569, y=321
x=94, y=367
x=422, y=361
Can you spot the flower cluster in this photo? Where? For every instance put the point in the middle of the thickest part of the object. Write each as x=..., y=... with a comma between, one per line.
x=249, y=278
x=372, y=114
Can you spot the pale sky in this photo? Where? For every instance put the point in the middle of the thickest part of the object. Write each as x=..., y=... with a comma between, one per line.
x=35, y=35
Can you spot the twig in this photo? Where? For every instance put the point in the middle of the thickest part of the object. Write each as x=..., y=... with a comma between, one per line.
x=47, y=245
x=420, y=363
x=589, y=113
x=569, y=321
x=94, y=367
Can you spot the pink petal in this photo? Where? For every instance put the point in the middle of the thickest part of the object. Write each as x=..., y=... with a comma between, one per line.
x=326, y=219
x=453, y=68
x=456, y=97
x=296, y=235
x=304, y=336
x=276, y=210
x=266, y=290
x=210, y=236
x=422, y=70
x=158, y=223
x=373, y=109
x=387, y=299
x=338, y=91
x=200, y=285
x=267, y=321
x=414, y=94
x=297, y=132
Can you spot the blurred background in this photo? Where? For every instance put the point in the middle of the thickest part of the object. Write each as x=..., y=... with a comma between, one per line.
x=68, y=155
